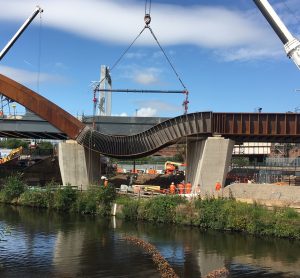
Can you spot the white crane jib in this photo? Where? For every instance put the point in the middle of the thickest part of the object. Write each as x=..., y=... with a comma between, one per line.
x=291, y=44
x=20, y=31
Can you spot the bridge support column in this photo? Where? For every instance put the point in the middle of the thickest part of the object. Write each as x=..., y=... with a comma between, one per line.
x=208, y=162
x=78, y=166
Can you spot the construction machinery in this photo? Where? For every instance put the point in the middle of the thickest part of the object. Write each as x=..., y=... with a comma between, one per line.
x=20, y=31
x=172, y=167
x=291, y=44
x=12, y=155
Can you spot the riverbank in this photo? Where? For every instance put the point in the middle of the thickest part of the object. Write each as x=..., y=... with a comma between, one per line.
x=220, y=213
x=270, y=195
x=213, y=213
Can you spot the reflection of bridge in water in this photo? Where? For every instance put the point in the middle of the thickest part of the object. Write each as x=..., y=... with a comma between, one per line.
x=204, y=132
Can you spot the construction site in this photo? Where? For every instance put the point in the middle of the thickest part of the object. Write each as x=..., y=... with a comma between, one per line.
x=253, y=148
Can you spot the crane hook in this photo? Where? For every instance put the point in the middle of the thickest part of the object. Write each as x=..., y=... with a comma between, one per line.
x=147, y=19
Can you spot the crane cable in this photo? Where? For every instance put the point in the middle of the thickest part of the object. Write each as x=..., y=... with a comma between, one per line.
x=147, y=20
x=147, y=7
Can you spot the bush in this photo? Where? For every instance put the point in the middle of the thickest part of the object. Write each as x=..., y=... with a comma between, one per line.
x=95, y=200
x=14, y=187
x=34, y=198
x=64, y=198
x=105, y=198
x=130, y=209
x=210, y=213
x=162, y=208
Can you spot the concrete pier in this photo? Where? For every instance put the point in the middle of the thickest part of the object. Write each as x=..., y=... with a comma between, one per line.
x=208, y=162
x=78, y=165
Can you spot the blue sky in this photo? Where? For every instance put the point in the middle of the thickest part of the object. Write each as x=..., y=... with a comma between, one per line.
x=227, y=55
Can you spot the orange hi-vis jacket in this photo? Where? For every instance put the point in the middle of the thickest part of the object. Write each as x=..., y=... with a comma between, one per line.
x=172, y=188
x=188, y=188
x=181, y=188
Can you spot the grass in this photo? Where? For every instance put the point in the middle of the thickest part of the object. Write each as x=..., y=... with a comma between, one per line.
x=209, y=213
x=217, y=214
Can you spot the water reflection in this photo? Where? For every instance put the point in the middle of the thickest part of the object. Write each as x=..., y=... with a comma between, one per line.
x=48, y=244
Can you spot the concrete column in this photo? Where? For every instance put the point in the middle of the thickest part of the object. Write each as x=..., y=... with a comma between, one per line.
x=208, y=162
x=78, y=166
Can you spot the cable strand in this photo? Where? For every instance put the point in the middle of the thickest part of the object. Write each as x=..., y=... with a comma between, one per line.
x=126, y=50
x=167, y=58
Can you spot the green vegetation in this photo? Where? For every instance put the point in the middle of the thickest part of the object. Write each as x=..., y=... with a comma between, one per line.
x=96, y=200
x=13, y=189
x=240, y=161
x=13, y=143
x=208, y=213
x=217, y=214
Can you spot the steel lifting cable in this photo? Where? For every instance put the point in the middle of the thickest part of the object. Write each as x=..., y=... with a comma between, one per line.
x=147, y=7
x=122, y=55
x=167, y=58
x=147, y=20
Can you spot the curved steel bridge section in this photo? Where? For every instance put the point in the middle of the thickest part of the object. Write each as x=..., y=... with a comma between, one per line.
x=179, y=129
x=240, y=127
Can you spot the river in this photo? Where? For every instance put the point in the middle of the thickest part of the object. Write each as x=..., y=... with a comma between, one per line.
x=47, y=244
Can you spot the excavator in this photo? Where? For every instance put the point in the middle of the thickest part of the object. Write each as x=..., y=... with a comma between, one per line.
x=12, y=155
x=172, y=167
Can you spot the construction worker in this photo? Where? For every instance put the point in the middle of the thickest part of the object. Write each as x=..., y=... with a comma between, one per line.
x=180, y=187
x=102, y=179
x=218, y=186
x=172, y=188
x=188, y=188
x=105, y=183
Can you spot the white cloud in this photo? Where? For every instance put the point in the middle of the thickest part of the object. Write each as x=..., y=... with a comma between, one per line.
x=28, y=77
x=246, y=54
x=141, y=75
x=159, y=105
x=146, y=78
x=123, y=114
x=118, y=21
x=135, y=55
x=146, y=112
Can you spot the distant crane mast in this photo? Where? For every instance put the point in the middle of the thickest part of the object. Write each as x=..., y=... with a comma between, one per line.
x=104, y=107
x=291, y=44
x=20, y=31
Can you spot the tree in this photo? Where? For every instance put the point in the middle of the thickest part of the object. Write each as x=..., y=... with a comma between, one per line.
x=13, y=143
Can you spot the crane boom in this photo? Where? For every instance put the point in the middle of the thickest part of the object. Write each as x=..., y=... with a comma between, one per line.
x=291, y=44
x=20, y=31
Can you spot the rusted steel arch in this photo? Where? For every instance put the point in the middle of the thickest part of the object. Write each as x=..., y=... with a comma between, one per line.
x=42, y=107
x=198, y=125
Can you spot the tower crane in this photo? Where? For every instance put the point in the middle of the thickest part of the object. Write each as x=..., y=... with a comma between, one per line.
x=291, y=44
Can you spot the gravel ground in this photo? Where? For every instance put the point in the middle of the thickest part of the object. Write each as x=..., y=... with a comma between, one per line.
x=268, y=194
